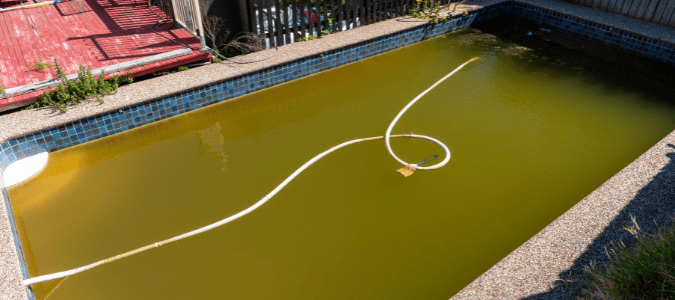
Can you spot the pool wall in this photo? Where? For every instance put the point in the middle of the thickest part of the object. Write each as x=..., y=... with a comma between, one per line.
x=132, y=116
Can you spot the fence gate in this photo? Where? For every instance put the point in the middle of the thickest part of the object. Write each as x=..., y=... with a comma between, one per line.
x=186, y=13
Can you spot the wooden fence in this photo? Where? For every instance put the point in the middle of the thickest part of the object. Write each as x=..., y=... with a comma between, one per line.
x=287, y=21
x=655, y=11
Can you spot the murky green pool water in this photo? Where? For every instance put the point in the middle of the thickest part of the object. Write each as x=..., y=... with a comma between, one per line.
x=530, y=134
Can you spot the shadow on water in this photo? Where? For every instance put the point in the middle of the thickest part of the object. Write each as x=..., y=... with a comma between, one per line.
x=538, y=46
x=651, y=206
x=533, y=44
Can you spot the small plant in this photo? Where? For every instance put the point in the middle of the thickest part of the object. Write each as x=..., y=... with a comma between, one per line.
x=307, y=38
x=2, y=90
x=326, y=27
x=645, y=271
x=426, y=10
x=86, y=86
x=183, y=68
x=325, y=31
x=228, y=51
x=39, y=65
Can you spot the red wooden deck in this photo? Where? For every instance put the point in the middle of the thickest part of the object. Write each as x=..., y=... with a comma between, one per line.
x=107, y=33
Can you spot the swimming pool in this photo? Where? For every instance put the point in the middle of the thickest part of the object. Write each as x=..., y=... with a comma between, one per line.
x=530, y=134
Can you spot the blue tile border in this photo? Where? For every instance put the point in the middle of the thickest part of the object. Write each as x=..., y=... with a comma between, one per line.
x=642, y=45
x=106, y=124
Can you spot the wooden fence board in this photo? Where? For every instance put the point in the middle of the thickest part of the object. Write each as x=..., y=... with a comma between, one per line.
x=325, y=22
x=667, y=13
x=308, y=16
x=672, y=19
x=270, y=27
x=651, y=8
x=351, y=14
x=658, y=12
x=340, y=13
x=361, y=13
x=632, y=9
x=622, y=6
x=617, y=6
x=294, y=24
x=604, y=4
x=332, y=13
x=655, y=11
x=277, y=23
x=642, y=8
x=261, y=21
x=609, y=6
x=251, y=17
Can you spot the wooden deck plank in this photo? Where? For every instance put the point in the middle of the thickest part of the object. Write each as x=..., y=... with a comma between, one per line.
x=14, y=53
x=26, y=35
x=9, y=79
x=42, y=45
x=39, y=45
x=91, y=58
x=23, y=75
x=54, y=39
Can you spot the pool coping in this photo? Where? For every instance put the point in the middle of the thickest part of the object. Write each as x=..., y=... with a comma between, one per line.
x=506, y=276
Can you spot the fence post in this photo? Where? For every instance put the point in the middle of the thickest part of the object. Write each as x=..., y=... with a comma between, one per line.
x=198, y=12
x=244, y=14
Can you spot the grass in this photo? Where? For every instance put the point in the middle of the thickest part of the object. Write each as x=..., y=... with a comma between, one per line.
x=643, y=271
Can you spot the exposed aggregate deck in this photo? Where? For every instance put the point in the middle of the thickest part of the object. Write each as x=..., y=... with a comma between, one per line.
x=644, y=188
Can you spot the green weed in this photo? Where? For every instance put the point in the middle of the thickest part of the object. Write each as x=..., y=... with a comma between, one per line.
x=427, y=10
x=38, y=65
x=228, y=51
x=85, y=87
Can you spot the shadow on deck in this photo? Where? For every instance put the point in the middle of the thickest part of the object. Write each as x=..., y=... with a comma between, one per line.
x=651, y=206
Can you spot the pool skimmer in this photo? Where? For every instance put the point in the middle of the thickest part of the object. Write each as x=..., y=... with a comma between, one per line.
x=25, y=168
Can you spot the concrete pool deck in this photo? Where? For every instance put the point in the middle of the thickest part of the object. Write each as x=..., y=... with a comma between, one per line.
x=532, y=271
